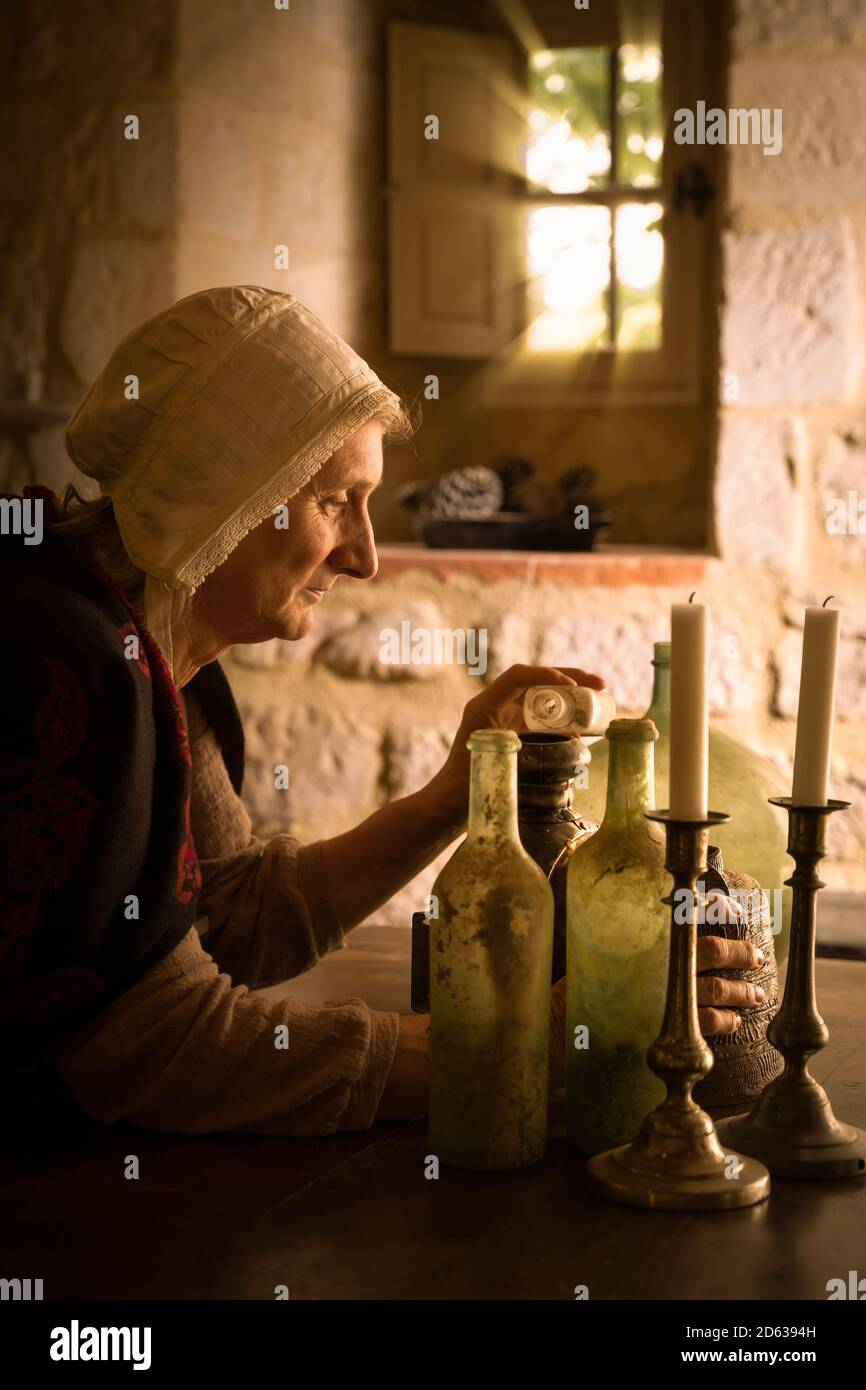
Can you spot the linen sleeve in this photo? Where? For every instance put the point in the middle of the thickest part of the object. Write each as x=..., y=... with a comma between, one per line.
x=270, y=913
x=185, y=1051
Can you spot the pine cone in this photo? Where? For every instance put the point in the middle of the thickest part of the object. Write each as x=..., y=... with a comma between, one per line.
x=465, y=493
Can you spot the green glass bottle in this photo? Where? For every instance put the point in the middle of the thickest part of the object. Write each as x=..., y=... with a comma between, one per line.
x=491, y=943
x=754, y=841
x=618, y=942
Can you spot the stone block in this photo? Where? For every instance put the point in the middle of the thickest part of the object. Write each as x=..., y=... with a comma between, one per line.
x=846, y=841
x=277, y=652
x=333, y=769
x=820, y=162
x=758, y=508
x=144, y=170
x=619, y=648
x=737, y=668
x=114, y=284
x=841, y=473
x=791, y=323
x=216, y=169
x=412, y=757
x=509, y=643
x=852, y=623
x=823, y=28
x=357, y=653
x=249, y=53
x=850, y=677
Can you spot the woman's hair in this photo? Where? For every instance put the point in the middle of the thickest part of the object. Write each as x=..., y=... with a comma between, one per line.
x=92, y=523
x=400, y=423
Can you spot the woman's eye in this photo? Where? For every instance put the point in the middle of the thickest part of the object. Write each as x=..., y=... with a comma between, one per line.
x=338, y=502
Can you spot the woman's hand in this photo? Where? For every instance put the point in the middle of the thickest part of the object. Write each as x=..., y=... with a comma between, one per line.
x=718, y=996
x=499, y=706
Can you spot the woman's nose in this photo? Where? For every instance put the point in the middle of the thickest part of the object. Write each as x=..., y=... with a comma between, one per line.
x=357, y=555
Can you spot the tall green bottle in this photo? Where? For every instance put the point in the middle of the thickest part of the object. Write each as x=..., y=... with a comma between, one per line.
x=491, y=943
x=618, y=942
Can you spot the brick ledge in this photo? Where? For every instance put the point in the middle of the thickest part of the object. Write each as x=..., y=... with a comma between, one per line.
x=609, y=567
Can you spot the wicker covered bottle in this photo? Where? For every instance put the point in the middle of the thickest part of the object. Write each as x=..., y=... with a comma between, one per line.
x=491, y=939
x=618, y=940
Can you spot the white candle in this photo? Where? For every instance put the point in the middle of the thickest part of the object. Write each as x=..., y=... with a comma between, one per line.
x=815, y=710
x=689, y=712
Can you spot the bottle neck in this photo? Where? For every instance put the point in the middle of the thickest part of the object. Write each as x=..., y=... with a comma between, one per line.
x=660, y=705
x=630, y=784
x=493, y=798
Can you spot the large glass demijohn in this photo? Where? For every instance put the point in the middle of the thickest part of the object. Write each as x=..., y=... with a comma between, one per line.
x=740, y=782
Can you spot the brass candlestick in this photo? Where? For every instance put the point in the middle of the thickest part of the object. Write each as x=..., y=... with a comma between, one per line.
x=676, y=1162
x=792, y=1127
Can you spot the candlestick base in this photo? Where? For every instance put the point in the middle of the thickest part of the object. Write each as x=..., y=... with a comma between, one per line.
x=674, y=1182
x=791, y=1127
x=677, y=1163
x=781, y=1139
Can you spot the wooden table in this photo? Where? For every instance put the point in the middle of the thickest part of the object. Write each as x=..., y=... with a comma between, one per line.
x=354, y=1216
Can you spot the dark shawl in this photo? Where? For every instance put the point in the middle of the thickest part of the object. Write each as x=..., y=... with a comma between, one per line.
x=95, y=774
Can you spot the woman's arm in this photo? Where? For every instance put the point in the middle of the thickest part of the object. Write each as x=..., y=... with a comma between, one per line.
x=369, y=863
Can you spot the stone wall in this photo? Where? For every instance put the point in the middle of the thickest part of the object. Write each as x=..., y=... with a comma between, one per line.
x=792, y=349
x=88, y=217
x=249, y=140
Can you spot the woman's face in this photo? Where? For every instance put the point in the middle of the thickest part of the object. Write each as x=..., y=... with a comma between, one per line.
x=272, y=582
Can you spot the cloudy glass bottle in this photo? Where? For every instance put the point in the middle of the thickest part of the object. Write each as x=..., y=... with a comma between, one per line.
x=491, y=941
x=617, y=952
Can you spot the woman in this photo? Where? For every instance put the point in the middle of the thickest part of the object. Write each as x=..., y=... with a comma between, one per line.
x=236, y=442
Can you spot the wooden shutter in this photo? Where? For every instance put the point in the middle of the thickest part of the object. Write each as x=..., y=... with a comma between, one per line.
x=455, y=247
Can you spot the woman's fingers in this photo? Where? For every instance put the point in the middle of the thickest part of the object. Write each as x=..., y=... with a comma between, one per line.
x=727, y=953
x=518, y=679
x=718, y=907
x=713, y=1021
x=716, y=990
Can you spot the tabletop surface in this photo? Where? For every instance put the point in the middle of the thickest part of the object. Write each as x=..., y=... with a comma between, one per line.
x=234, y=1216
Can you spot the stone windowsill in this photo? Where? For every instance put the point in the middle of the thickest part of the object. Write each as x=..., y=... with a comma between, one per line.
x=609, y=567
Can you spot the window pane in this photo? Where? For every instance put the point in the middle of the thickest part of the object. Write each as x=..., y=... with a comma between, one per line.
x=640, y=124
x=639, y=261
x=568, y=150
x=568, y=252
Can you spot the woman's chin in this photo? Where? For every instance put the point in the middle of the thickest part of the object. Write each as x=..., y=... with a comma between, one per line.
x=296, y=622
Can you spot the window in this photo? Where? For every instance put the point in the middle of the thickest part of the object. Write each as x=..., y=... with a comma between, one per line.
x=595, y=246
x=548, y=225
